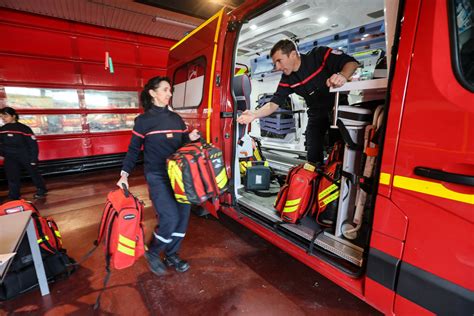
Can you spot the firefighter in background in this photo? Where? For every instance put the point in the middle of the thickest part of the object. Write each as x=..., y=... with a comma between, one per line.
x=19, y=148
x=161, y=132
x=310, y=76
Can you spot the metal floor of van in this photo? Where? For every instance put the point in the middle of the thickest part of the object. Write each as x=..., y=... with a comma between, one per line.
x=233, y=271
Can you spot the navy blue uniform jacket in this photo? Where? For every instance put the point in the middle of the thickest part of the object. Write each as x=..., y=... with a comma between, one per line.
x=18, y=140
x=161, y=132
x=310, y=80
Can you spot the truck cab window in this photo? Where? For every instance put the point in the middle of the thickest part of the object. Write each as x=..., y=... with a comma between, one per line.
x=463, y=41
x=188, y=84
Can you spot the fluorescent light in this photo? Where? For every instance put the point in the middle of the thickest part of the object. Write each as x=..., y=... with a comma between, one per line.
x=253, y=27
x=322, y=20
x=287, y=13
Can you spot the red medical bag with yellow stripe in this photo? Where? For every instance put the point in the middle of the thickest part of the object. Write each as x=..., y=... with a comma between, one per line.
x=329, y=187
x=47, y=232
x=298, y=195
x=121, y=228
x=197, y=173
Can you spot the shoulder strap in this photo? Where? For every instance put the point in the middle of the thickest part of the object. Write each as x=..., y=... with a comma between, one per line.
x=108, y=212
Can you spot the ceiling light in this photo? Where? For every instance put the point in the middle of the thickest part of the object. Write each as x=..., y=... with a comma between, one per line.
x=253, y=27
x=224, y=3
x=287, y=13
x=322, y=20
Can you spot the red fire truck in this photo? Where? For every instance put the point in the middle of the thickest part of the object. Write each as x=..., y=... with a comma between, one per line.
x=415, y=251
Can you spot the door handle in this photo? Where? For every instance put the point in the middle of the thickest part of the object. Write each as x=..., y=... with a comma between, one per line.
x=445, y=176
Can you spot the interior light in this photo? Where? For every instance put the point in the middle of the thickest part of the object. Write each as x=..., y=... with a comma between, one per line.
x=287, y=13
x=322, y=20
x=253, y=27
x=365, y=35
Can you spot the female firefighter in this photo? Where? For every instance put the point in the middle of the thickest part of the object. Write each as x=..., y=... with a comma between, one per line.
x=161, y=132
x=19, y=148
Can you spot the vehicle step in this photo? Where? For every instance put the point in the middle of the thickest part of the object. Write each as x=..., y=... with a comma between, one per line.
x=341, y=248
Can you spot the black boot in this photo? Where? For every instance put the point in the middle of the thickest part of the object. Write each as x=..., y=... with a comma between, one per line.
x=155, y=264
x=41, y=193
x=175, y=261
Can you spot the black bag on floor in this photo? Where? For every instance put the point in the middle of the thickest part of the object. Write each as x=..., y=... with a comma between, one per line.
x=21, y=275
x=21, y=278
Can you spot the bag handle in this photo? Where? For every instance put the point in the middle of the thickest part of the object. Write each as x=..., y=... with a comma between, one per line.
x=125, y=190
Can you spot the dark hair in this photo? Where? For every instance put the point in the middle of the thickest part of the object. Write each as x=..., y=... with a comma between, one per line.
x=152, y=84
x=286, y=46
x=10, y=111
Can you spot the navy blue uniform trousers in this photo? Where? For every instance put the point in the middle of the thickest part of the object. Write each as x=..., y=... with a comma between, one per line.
x=13, y=166
x=173, y=217
x=315, y=132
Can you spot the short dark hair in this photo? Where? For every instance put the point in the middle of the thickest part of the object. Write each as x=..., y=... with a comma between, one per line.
x=10, y=111
x=286, y=46
x=152, y=84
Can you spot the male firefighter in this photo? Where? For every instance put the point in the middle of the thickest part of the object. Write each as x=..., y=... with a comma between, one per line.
x=310, y=76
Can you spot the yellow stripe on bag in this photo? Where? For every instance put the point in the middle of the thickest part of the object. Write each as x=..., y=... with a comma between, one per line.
x=125, y=250
x=221, y=179
x=176, y=174
x=126, y=241
x=257, y=155
x=182, y=201
x=288, y=209
x=243, y=167
x=292, y=202
x=181, y=198
x=43, y=239
x=328, y=190
x=329, y=199
x=171, y=173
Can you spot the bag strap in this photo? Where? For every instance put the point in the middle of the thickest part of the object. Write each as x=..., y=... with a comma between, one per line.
x=346, y=137
x=108, y=211
x=317, y=231
x=107, y=260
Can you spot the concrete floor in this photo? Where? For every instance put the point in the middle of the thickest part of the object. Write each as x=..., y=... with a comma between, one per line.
x=233, y=271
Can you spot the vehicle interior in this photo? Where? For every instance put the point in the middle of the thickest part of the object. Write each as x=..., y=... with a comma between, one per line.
x=362, y=29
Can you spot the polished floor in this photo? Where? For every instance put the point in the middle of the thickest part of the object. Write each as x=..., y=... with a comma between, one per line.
x=233, y=271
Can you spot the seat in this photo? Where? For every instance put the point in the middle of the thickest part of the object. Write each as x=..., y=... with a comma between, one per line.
x=242, y=89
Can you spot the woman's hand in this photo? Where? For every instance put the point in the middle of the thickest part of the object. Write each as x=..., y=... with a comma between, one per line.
x=194, y=135
x=123, y=180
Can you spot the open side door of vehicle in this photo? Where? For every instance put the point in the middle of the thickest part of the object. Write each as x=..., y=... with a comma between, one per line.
x=192, y=69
